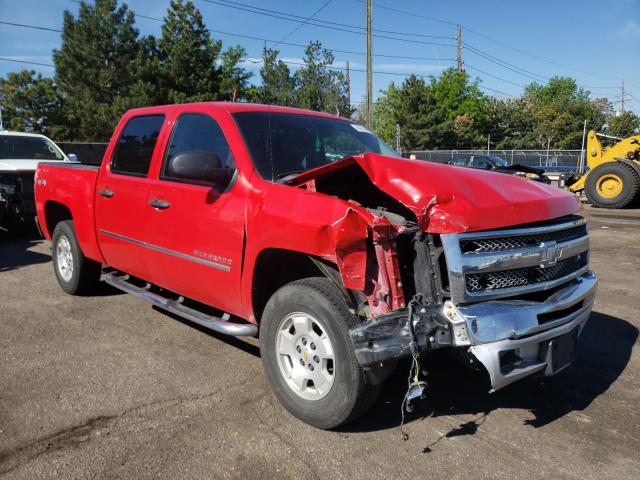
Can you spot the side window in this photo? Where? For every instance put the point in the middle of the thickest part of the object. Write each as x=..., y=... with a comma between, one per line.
x=197, y=133
x=480, y=162
x=135, y=145
x=460, y=161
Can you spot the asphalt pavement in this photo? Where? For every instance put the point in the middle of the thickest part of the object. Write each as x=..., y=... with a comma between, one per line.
x=108, y=387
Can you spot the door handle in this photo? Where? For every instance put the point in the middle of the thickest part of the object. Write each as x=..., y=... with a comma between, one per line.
x=106, y=193
x=157, y=203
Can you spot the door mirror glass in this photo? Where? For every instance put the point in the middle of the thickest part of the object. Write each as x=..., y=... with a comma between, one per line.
x=72, y=157
x=200, y=167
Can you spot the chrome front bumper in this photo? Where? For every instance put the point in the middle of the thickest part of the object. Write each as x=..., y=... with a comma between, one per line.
x=511, y=338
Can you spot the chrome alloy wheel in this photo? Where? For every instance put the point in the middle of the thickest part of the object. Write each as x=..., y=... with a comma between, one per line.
x=64, y=258
x=305, y=356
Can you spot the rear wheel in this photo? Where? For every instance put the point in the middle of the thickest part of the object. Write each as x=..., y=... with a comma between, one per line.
x=612, y=185
x=76, y=273
x=308, y=355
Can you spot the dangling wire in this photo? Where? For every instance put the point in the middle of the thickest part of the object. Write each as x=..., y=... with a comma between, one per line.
x=414, y=371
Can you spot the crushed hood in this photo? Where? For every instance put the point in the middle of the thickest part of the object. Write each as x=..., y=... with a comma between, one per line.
x=449, y=199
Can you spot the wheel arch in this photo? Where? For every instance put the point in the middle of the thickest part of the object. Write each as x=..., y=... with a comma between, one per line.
x=54, y=213
x=275, y=267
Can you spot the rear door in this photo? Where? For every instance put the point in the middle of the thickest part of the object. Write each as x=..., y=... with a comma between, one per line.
x=197, y=230
x=122, y=195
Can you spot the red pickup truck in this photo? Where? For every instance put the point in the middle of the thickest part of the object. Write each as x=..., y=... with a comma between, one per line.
x=306, y=230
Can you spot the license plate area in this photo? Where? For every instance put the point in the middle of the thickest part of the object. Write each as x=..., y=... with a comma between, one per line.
x=559, y=352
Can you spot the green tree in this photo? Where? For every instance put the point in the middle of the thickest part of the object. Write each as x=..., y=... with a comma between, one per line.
x=187, y=56
x=445, y=112
x=234, y=82
x=623, y=125
x=559, y=109
x=96, y=66
x=30, y=103
x=510, y=123
x=278, y=86
x=318, y=87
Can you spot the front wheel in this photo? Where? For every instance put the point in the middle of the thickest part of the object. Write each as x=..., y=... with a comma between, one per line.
x=76, y=273
x=308, y=355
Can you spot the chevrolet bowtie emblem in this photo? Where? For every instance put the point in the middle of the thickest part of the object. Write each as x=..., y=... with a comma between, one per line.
x=551, y=253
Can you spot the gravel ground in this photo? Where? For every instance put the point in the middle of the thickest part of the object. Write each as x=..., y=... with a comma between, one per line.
x=109, y=387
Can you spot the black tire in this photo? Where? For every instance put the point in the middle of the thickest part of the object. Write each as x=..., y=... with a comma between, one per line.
x=630, y=185
x=84, y=275
x=350, y=395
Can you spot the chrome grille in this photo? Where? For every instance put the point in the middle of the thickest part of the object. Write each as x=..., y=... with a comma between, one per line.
x=523, y=276
x=497, y=244
x=509, y=262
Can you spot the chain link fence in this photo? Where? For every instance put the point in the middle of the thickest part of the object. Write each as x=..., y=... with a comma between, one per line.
x=551, y=160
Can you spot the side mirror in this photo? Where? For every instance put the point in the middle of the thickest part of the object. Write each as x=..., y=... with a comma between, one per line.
x=72, y=157
x=201, y=167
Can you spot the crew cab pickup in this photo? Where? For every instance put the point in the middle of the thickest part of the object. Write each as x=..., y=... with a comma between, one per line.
x=306, y=230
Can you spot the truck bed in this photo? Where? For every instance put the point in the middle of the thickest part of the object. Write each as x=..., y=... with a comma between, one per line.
x=71, y=185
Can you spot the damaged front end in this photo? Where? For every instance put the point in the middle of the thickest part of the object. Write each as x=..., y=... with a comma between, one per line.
x=17, y=202
x=434, y=264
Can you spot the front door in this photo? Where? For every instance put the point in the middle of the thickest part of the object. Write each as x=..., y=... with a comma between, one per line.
x=121, y=196
x=197, y=228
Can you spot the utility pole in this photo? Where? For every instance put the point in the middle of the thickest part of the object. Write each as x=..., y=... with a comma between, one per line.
x=369, y=70
x=398, y=138
x=459, y=38
x=622, y=104
x=348, y=86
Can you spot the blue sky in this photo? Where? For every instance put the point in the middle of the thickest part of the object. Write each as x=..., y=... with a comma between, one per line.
x=596, y=42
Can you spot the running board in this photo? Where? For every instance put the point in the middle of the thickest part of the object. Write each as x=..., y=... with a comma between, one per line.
x=221, y=325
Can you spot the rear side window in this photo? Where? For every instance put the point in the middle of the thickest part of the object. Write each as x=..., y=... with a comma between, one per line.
x=135, y=145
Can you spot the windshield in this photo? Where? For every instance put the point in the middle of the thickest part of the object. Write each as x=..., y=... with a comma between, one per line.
x=283, y=144
x=499, y=162
x=17, y=147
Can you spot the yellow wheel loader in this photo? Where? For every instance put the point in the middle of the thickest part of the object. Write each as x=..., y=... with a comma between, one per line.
x=613, y=179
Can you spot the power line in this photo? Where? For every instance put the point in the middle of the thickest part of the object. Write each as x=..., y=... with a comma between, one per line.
x=487, y=56
x=493, y=76
x=438, y=20
x=303, y=23
x=524, y=72
x=504, y=64
x=326, y=22
x=475, y=50
x=250, y=37
x=486, y=37
x=36, y=27
x=494, y=91
x=6, y=59
x=281, y=15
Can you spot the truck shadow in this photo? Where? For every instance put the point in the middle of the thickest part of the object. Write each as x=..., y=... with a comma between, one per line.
x=604, y=350
x=15, y=253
